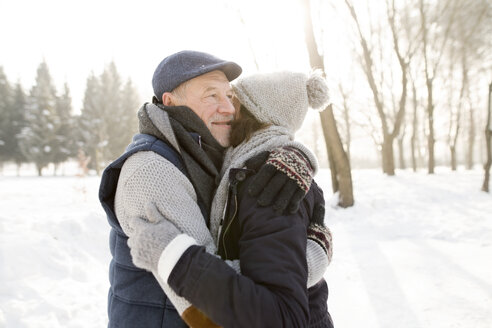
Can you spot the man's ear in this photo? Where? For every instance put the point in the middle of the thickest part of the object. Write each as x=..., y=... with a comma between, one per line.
x=168, y=99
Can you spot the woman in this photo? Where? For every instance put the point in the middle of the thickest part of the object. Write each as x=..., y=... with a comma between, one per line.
x=273, y=107
x=271, y=290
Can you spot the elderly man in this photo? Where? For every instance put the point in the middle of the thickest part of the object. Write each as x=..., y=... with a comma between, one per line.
x=171, y=169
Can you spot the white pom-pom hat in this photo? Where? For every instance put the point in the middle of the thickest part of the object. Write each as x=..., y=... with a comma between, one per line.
x=282, y=98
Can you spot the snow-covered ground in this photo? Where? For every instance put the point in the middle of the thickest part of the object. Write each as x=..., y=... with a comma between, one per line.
x=415, y=251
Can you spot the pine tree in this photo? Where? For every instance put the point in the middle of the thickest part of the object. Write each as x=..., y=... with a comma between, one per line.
x=12, y=120
x=5, y=104
x=39, y=136
x=63, y=147
x=90, y=124
x=111, y=111
x=109, y=117
x=127, y=124
x=18, y=122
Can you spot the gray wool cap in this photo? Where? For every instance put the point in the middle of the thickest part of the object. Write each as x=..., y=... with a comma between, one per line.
x=282, y=98
x=187, y=64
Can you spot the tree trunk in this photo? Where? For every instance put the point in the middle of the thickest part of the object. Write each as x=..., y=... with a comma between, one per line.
x=333, y=171
x=329, y=152
x=430, y=121
x=316, y=138
x=97, y=164
x=339, y=164
x=348, y=136
x=452, y=149
x=414, y=159
x=471, y=141
x=40, y=169
x=401, y=148
x=343, y=175
x=488, y=143
x=453, y=140
x=388, y=156
x=455, y=118
x=429, y=83
x=413, y=140
x=401, y=153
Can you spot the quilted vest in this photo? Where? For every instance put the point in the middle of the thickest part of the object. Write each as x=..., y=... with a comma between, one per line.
x=135, y=298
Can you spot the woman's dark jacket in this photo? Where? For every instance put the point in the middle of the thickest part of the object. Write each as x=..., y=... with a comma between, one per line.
x=271, y=290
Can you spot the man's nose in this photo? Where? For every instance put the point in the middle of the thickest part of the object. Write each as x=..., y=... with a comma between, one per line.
x=226, y=107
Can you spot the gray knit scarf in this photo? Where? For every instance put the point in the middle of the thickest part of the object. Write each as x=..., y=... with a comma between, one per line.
x=202, y=160
x=263, y=140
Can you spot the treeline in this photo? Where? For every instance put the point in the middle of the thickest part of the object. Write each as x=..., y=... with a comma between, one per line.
x=419, y=90
x=40, y=126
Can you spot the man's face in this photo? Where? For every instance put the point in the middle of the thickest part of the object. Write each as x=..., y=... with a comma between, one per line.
x=210, y=97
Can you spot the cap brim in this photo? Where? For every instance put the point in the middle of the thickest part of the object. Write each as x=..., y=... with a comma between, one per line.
x=230, y=69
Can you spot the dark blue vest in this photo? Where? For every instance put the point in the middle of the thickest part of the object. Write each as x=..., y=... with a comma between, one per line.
x=135, y=298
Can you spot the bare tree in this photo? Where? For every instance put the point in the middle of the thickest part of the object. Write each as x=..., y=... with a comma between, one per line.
x=488, y=143
x=414, y=139
x=455, y=111
x=470, y=31
x=435, y=29
x=339, y=164
x=471, y=137
x=376, y=74
x=401, y=148
x=346, y=118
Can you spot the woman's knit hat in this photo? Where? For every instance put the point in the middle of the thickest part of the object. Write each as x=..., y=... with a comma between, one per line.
x=282, y=98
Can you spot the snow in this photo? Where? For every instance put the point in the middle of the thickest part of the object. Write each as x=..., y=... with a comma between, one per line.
x=53, y=253
x=414, y=251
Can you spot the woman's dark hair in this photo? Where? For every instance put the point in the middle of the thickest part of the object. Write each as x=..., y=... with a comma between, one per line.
x=243, y=126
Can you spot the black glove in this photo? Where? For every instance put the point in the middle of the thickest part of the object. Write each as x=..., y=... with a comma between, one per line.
x=318, y=216
x=284, y=177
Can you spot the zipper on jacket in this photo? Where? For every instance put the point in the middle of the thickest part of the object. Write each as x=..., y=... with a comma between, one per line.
x=234, y=190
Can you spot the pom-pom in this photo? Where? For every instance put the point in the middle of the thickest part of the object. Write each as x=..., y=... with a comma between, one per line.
x=317, y=91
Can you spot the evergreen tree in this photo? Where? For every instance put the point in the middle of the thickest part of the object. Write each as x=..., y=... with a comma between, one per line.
x=12, y=112
x=111, y=111
x=127, y=124
x=91, y=132
x=63, y=146
x=5, y=104
x=109, y=117
x=18, y=122
x=38, y=138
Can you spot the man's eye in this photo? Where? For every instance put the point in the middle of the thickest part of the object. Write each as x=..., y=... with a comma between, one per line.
x=230, y=96
x=213, y=95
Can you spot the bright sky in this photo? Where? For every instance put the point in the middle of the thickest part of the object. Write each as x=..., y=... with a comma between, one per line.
x=77, y=37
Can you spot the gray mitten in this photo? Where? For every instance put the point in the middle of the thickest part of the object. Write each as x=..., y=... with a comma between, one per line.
x=150, y=238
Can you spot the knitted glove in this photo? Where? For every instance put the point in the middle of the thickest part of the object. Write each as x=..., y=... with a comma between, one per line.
x=146, y=246
x=317, y=231
x=149, y=238
x=284, y=179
